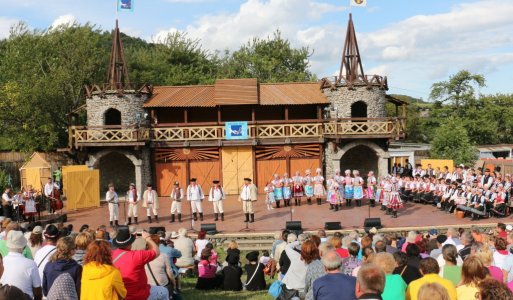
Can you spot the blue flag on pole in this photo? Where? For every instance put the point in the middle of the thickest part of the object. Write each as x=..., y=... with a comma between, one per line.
x=126, y=5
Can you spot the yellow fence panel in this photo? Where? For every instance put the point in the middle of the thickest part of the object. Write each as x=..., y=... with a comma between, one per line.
x=440, y=163
x=33, y=176
x=66, y=169
x=82, y=189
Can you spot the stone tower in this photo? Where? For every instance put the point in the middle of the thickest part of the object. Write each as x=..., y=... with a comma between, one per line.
x=358, y=102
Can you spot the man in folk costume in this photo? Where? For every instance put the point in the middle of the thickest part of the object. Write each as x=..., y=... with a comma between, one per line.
x=113, y=201
x=499, y=206
x=133, y=204
x=297, y=188
x=278, y=189
x=357, y=187
x=7, y=203
x=216, y=196
x=151, y=202
x=348, y=187
x=248, y=195
x=487, y=178
x=48, y=189
x=319, y=190
x=371, y=188
x=287, y=190
x=308, y=186
x=195, y=196
x=177, y=196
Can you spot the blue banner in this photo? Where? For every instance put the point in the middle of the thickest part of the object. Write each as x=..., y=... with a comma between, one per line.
x=236, y=130
x=126, y=5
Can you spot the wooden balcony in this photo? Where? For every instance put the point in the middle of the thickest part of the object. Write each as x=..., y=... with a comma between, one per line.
x=312, y=130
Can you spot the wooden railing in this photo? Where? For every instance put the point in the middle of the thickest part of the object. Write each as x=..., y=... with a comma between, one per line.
x=339, y=127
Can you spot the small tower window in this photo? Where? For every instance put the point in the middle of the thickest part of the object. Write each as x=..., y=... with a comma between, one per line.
x=112, y=117
x=359, y=110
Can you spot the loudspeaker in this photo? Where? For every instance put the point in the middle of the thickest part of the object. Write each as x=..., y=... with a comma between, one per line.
x=372, y=222
x=332, y=226
x=209, y=228
x=156, y=229
x=294, y=226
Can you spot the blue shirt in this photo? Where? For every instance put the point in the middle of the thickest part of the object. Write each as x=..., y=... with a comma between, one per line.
x=334, y=286
x=171, y=253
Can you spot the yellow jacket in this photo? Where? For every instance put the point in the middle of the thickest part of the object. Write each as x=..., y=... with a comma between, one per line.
x=414, y=287
x=101, y=282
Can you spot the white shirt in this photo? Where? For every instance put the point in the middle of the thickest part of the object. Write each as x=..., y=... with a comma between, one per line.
x=216, y=194
x=112, y=198
x=132, y=195
x=194, y=193
x=21, y=272
x=40, y=255
x=49, y=188
x=245, y=195
x=6, y=197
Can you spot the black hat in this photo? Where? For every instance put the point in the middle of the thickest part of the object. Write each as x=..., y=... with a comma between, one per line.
x=252, y=256
x=123, y=238
x=149, y=185
x=232, y=259
x=487, y=170
x=247, y=179
x=474, y=181
x=215, y=182
x=51, y=232
x=459, y=180
x=193, y=180
x=441, y=238
x=447, y=181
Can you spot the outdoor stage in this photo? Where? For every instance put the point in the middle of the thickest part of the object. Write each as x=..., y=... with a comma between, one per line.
x=312, y=217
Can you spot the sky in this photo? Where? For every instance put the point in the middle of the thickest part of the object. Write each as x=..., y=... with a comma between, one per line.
x=415, y=43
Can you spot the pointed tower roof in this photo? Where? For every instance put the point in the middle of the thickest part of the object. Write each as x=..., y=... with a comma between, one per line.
x=351, y=69
x=117, y=76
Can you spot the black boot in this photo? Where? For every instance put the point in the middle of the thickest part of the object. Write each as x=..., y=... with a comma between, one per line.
x=180, y=218
x=309, y=201
x=172, y=218
x=395, y=214
x=358, y=203
x=116, y=223
x=222, y=216
x=136, y=222
x=247, y=218
x=129, y=221
x=110, y=224
x=252, y=218
x=201, y=216
x=156, y=218
x=298, y=202
x=331, y=207
x=372, y=202
x=149, y=219
x=215, y=216
x=336, y=207
x=195, y=216
x=389, y=211
x=318, y=201
x=382, y=207
x=277, y=203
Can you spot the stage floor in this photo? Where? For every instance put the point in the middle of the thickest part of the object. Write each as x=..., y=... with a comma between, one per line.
x=312, y=217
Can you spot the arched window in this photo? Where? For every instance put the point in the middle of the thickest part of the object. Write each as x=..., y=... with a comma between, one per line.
x=359, y=110
x=112, y=116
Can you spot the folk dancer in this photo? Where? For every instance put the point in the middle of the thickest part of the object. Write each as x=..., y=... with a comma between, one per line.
x=248, y=195
x=450, y=190
x=308, y=186
x=340, y=181
x=499, y=207
x=348, y=187
x=297, y=188
x=380, y=193
x=478, y=205
x=439, y=192
x=113, y=201
x=387, y=189
x=357, y=187
x=30, y=204
x=7, y=203
x=195, y=196
x=458, y=198
x=371, y=187
x=269, y=195
x=319, y=190
x=49, y=188
x=133, y=201
x=216, y=196
x=278, y=189
x=177, y=196
x=151, y=203
x=287, y=190
x=428, y=189
x=395, y=202
x=333, y=194
x=408, y=186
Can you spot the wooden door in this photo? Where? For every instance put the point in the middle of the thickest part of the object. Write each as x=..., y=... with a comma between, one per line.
x=205, y=172
x=237, y=165
x=167, y=174
x=83, y=189
x=302, y=164
x=266, y=170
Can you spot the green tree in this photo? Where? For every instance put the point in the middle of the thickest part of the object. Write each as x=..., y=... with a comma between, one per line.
x=451, y=141
x=458, y=90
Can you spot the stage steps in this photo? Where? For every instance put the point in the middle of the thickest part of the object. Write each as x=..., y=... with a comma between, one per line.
x=250, y=244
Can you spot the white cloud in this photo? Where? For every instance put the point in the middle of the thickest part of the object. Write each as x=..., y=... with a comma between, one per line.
x=5, y=26
x=64, y=20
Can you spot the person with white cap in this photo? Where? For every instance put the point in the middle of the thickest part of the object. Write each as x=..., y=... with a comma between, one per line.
x=176, y=204
x=133, y=200
x=308, y=186
x=195, y=196
x=319, y=190
x=19, y=271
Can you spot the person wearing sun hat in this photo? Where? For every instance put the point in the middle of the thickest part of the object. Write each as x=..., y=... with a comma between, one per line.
x=20, y=271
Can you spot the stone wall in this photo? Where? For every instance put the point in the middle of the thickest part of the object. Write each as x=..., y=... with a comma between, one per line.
x=129, y=105
x=342, y=98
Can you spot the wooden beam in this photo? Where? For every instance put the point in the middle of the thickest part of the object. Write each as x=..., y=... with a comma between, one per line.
x=319, y=112
x=187, y=172
x=218, y=114
x=185, y=116
x=253, y=113
x=286, y=113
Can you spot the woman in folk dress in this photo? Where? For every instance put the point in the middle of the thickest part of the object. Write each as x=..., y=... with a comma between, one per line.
x=357, y=187
x=287, y=189
x=308, y=186
x=340, y=180
x=333, y=194
x=348, y=187
x=269, y=198
x=30, y=204
x=278, y=189
x=319, y=190
x=385, y=194
x=297, y=188
x=371, y=187
x=395, y=202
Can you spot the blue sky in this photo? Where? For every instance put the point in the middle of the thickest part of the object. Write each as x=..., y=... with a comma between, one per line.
x=414, y=43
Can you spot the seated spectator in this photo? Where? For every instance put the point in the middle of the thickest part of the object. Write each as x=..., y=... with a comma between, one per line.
x=63, y=288
x=43, y=255
x=433, y=291
x=131, y=265
x=337, y=245
x=158, y=271
x=450, y=270
x=322, y=235
x=232, y=273
x=168, y=247
x=295, y=277
x=35, y=240
x=500, y=255
x=395, y=287
x=8, y=291
x=255, y=280
x=207, y=279
x=429, y=269
x=472, y=272
x=82, y=240
x=380, y=246
x=200, y=244
x=370, y=282
x=352, y=262
x=233, y=251
x=413, y=253
x=4, y=249
x=410, y=239
x=213, y=255
x=334, y=285
x=284, y=262
x=315, y=269
x=265, y=258
x=185, y=245
x=366, y=242
x=491, y=289
x=486, y=256
x=440, y=240
x=61, y=262
x=408, y=273
x=20, y=271
x=100, y=279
